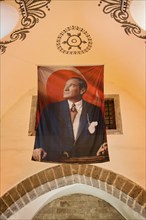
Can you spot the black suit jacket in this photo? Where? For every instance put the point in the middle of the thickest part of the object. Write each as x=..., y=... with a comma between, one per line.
x=55, y=133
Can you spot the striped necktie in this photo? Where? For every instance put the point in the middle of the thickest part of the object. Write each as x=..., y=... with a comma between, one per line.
x=73, y=112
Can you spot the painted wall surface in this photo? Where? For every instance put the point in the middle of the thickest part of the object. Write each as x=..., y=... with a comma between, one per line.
x=124, y=59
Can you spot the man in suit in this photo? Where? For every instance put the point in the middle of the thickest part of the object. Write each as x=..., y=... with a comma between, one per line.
x=72, y=128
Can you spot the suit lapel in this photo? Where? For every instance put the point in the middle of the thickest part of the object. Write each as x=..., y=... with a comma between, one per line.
x=83, y=119
x=67, y=119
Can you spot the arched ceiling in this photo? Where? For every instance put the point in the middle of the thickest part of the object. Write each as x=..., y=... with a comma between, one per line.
x=123, y=55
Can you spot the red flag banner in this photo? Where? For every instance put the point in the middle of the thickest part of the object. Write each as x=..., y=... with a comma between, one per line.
x=70, y=125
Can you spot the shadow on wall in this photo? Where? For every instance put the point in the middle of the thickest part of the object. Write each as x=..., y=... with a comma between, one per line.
x=123, y=194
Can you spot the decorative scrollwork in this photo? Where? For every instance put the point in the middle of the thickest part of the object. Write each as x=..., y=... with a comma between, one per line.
x=31, y=11
x=118, y=9
x=2, y=48
x=133, y=29
x=20, y=34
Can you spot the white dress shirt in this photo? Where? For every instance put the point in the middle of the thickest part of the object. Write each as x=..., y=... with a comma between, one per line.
x=76, y=122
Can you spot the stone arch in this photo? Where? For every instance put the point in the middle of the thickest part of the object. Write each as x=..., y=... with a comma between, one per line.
x=117, y=186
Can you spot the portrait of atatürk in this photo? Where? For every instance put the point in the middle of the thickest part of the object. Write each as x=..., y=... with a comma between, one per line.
x=70, y=125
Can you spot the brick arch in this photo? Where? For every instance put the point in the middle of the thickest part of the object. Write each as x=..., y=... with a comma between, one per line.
x=133, y=195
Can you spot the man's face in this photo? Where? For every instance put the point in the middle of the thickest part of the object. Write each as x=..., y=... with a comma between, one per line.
x=72, y=90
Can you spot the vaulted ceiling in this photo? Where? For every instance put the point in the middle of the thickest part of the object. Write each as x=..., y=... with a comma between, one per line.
x=42, y=23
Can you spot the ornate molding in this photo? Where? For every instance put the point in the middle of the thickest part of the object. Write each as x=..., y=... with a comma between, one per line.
x=119, y=10
x=74, y=40
x=30, y=13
